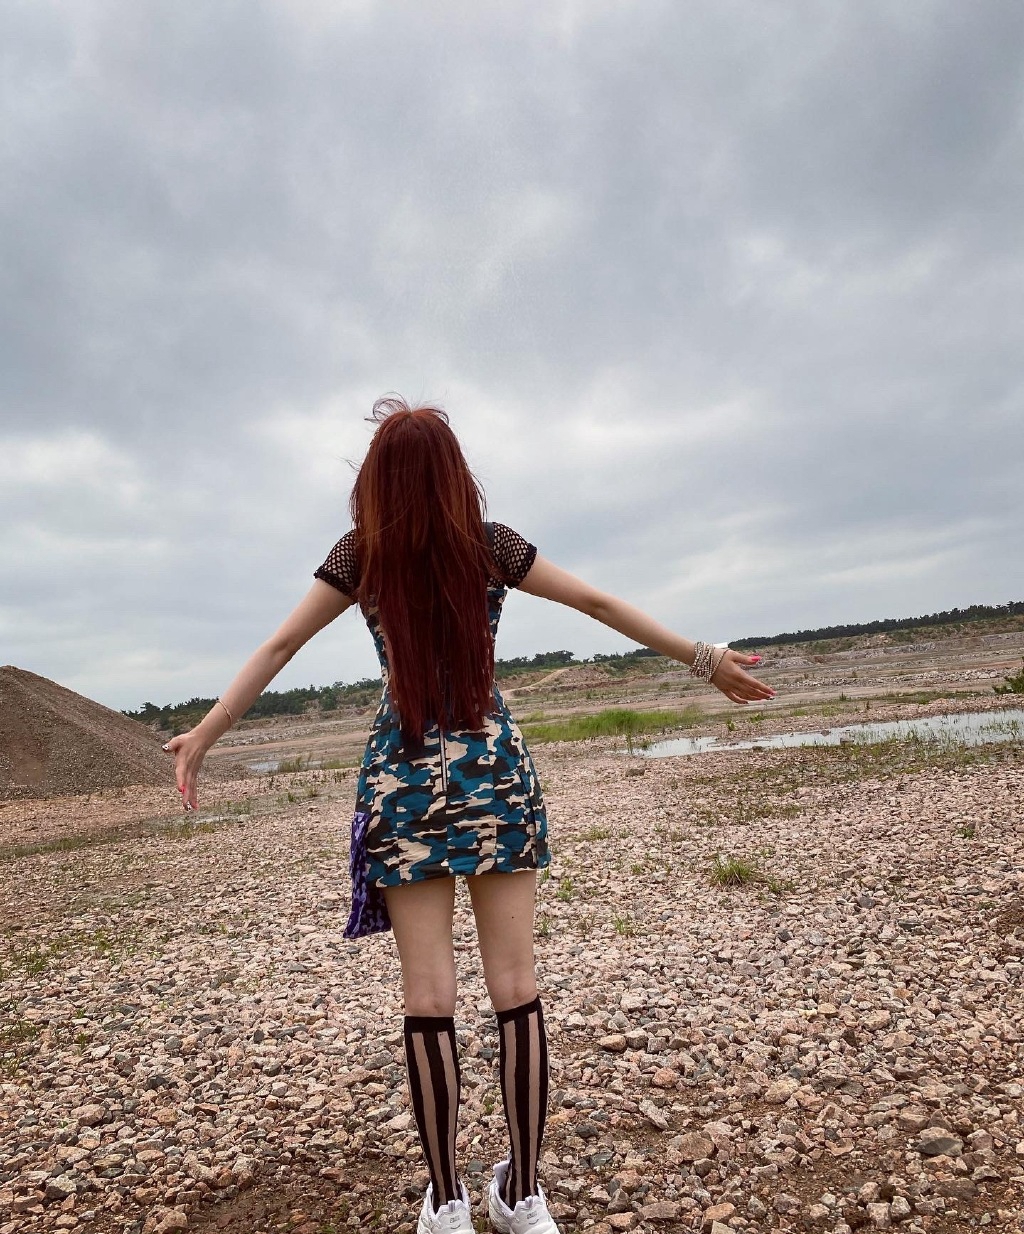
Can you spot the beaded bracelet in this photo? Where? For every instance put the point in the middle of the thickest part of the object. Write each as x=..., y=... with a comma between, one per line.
x=705, y=662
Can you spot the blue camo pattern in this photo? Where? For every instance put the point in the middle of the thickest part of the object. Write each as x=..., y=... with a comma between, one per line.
x=470, y=803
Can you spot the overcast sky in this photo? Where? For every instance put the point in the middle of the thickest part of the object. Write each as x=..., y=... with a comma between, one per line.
x=725, y=300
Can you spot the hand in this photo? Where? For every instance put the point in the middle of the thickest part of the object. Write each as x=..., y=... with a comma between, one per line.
x=732, y=678
x=189, y=752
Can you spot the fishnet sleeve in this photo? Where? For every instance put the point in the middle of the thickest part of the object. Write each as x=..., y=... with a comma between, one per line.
x=341, y=569
x=512, y=554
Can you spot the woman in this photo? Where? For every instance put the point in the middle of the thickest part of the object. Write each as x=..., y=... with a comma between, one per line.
x=447, y=786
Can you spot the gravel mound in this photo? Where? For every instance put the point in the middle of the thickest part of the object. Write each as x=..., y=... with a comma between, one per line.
x=56, y=743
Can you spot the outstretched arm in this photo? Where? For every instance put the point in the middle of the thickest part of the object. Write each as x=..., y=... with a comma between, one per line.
x=549, y=581
x=320, y=606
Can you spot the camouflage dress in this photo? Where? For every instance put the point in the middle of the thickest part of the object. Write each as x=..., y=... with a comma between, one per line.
x=470, y=803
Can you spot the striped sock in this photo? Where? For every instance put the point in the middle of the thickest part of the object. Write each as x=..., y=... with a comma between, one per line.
x=435, y=1085
x=523, y=1068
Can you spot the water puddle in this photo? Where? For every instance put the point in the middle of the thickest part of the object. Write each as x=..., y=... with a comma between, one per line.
x=971, y=728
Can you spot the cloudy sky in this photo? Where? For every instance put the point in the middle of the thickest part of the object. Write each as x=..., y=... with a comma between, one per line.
x=725, y=300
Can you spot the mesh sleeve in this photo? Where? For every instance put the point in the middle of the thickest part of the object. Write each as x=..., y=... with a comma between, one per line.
x=341, y=569
x=513, y=555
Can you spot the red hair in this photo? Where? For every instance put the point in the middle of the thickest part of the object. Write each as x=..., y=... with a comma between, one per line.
x=424, y=558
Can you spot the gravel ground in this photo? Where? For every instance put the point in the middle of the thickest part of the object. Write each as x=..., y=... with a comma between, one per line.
x=834, y=1044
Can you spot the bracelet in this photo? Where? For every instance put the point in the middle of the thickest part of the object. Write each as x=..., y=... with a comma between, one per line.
x=702, y=656
x=225, y=706
x=705, y=662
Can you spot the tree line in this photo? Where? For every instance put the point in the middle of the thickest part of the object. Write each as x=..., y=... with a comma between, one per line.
x=953, y=616
x=178, y=717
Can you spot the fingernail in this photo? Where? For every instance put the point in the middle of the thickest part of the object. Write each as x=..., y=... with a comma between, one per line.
x=165, y=747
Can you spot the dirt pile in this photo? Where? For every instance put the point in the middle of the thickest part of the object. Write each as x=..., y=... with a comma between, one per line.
x=56, y=743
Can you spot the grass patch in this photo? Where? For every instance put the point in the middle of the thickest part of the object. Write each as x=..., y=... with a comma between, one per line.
x=30, y=959
x=597, y=832
x=734, y=872
x=612, y=722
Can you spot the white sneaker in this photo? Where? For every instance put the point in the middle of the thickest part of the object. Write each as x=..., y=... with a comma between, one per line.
x=530, y=1216
x=451, y=1218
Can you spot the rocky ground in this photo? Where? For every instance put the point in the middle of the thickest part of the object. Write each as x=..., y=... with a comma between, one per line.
x=831, y=1043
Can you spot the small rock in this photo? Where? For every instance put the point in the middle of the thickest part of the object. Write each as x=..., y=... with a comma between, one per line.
x=175, y=1219
x=879, y=1216
x=620, y=1202
x=717, y=1213
x=623, y=1221
x=913, y=1118
x=781, y=1090
x=937, y=1141
x=694, y=1146
x=785, y=1203
x=59, y=1188
x=651, y=1112
x=614, y=1043
x=899, y=1208
x=661, y=1210
x=89, y=1115
x=957, y=1189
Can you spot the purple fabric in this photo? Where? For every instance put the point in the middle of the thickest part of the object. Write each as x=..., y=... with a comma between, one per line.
x=369, y=910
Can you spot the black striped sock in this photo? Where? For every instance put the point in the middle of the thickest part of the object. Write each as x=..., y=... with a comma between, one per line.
x=435, y=1085
x=523, y=1068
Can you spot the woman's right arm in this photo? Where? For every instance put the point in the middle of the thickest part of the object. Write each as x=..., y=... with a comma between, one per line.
x=550, y=582
x=320, y=606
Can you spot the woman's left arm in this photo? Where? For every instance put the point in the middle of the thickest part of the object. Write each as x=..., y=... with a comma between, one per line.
x=321, y=605
x=551, y=582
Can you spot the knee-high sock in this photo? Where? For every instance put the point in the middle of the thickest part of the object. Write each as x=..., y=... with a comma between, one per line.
x=523, y=1068
x=435, y=1085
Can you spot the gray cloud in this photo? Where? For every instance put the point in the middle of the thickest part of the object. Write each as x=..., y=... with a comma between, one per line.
x=724, y=300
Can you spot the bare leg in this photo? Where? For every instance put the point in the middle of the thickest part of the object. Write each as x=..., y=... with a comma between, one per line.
x=503, y=905
x=421, y=917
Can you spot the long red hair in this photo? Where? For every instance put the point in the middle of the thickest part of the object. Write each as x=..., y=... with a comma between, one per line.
x=417, y=510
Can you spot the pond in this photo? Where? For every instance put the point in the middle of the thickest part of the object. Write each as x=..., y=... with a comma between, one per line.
x=969, y=728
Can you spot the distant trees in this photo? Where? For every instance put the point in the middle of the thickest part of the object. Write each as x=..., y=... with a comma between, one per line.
x=179, y=717
x=543, y=659
x=953, y=616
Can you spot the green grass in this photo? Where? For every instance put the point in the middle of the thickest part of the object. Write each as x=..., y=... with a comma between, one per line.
x=30, y=959
x=612, y=722
x=734, y=872
x=597, y=832
x=1012, y=685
